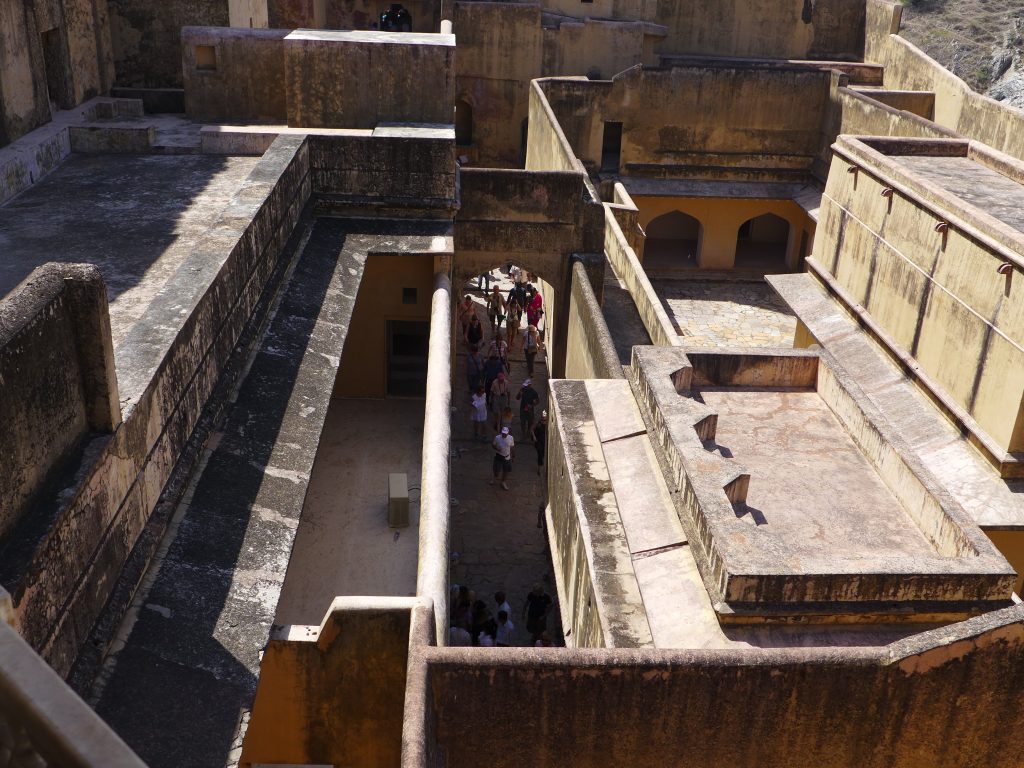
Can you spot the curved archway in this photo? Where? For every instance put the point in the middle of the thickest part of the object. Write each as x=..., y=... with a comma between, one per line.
x=463, y=123
x=761, y=243
x=673, y=240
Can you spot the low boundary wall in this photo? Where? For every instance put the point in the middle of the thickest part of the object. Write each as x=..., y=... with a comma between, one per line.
x=947, y=698
x=71, y=571
x=628, y=267
x=58, y=386
x=590, y=351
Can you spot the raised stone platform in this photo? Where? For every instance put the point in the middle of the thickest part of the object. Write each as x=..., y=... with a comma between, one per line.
x=888, y=541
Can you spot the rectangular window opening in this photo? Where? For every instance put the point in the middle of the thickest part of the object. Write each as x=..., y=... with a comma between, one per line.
x=206, y=58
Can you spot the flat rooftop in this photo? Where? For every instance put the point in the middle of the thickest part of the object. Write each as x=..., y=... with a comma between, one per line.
x=987, y=189
x=136, y=217
x=811, y=488
x=726, y=313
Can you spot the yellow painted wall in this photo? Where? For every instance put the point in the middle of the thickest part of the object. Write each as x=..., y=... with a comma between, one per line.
x=957, y=107
x=944, y=305
x=721, y=219
x=363, y=369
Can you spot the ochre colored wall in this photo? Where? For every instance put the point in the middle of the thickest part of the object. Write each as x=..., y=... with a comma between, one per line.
x=334, y=694
x=363, y=370
x=957, y=107
x=721, y=219
x=944, y=305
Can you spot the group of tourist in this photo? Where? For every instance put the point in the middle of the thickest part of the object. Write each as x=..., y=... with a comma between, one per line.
x=492, y=396
x=473, y=622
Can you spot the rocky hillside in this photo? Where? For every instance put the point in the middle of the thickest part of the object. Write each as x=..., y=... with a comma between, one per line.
x=981, y=41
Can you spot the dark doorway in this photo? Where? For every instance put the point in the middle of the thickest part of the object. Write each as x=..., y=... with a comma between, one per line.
x=55, y=61
x=463, y=123
x=611, y=147
x=761, y=243
x=673, y=242
x=524, y=139
x=408, y=341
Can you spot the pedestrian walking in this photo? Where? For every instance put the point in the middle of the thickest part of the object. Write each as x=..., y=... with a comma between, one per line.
x=474, y=331
x=540, y=438
x=464, y=312
x=505, y=628
x=474, y=370
x=504, y=455
x=501, y=399
x=514, y=314
x=538, y=606
x=532, y=344
x=478, y=413
x=496, y=309
x=528, y=399
x=493, y=367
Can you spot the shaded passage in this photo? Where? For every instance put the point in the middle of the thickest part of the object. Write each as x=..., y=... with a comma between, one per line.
x=495, y=541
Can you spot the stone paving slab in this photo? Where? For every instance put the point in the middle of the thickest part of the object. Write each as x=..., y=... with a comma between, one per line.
x=645, y=507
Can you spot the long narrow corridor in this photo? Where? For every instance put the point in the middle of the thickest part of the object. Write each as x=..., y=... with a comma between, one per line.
x=495, y=540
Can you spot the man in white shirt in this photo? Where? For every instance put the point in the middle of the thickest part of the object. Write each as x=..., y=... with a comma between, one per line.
x=505, y=628
x=504, y=453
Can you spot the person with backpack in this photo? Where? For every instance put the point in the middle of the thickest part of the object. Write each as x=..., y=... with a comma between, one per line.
x=531, y=345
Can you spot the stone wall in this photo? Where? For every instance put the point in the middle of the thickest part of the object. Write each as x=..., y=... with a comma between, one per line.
x=548, y=148
x=67, y=576
x=599, y=596
x=777, y=29
x=50, y=50
x=590, y=351
x=410, y=166
x=957, y=107
x=631, y=272
x=58, y=387
x=395, y=77
x=280, y=76
x=334, y=694
x=745, y=122
x=501, y=49
x=916, y=283
x=146, y=37
x=947, y=698
x=246, y=82
x=860, y=114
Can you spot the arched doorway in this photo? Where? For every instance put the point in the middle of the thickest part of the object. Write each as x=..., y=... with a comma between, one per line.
x=463, y=123
x=673, y=241
x=761, y=243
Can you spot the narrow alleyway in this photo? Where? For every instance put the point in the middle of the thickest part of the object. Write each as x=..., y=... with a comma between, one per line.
x=495, y=541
